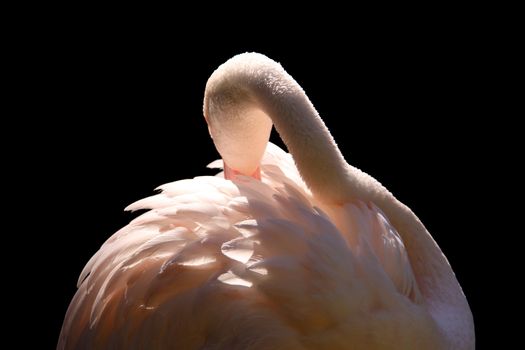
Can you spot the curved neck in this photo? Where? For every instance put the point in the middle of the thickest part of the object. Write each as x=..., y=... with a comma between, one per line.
x=250, y=87
x=316, y=155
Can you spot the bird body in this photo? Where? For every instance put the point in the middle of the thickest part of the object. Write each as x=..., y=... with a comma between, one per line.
x=279, y=251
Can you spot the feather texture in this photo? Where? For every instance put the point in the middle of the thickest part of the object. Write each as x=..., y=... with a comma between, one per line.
x=219, y=264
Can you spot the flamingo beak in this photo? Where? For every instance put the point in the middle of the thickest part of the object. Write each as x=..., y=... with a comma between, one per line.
x=230, y=173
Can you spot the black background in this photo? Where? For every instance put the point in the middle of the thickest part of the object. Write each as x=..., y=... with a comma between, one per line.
x=116, y=110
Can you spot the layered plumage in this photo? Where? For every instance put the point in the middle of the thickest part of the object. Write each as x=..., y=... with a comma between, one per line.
x=249, y=264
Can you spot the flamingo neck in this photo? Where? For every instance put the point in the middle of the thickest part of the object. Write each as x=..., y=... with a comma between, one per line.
x=245, y=96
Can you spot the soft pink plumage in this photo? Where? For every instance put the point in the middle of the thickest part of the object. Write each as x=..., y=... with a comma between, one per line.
x=248, y=264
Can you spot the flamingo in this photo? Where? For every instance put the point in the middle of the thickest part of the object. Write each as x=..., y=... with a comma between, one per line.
x=280, y=250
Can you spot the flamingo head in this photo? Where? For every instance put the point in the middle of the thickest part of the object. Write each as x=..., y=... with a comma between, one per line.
x=239, y=128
